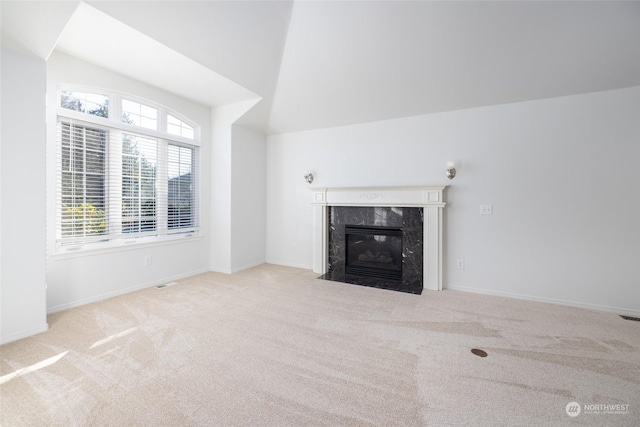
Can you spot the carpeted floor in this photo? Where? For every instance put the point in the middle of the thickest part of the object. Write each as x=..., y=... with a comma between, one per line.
x=274, y=346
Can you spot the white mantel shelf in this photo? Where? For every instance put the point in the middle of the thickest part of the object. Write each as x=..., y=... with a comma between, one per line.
x=430, y=198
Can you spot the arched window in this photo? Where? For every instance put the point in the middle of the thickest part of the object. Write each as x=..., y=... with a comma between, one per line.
x=127, y=171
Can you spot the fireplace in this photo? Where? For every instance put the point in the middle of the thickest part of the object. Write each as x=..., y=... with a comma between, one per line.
x=380, y=247
x=414, y=211
x=373, y=251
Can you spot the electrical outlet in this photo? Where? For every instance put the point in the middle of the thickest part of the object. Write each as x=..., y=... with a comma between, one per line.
x=486, y=209
x=148, y=260
x=460, y=264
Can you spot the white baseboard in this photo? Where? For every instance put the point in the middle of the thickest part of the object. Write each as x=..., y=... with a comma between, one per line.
x=67, y=306
x=222, y=270
x=24, y=334
x=247, y=266
x=289, y=264
x=225, y=270
x=609, y=309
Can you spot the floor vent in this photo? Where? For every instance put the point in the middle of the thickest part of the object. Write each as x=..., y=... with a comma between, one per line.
x=637, y=319
x=166, y=285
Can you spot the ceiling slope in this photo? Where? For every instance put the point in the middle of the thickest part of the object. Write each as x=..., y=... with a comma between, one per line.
x=240, y=40
x=318, y=64
x=98, y=38
x=353, y=62
x=33, y=27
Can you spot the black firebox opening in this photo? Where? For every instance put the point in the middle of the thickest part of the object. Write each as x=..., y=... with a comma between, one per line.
x=374, y=251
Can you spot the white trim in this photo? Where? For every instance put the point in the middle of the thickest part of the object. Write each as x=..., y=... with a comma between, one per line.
x=124, y=245
x=409, y=196
x=109, y=124
x=608, y=309
x=24, y=334
x=288, y=264
x=115, y=113
x=108, y=295
x=238, y=269
x=247, y=266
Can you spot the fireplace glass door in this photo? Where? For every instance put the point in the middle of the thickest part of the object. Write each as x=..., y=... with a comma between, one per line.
x=374, y=251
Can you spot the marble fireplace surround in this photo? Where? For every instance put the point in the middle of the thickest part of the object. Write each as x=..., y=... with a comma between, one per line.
x=430, y=198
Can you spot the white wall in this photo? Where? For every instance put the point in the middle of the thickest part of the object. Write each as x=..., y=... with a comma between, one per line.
x=220, y=218
x=562, y=175
x=22, y=225
x=225, y=175
x=78, y=280
x=248, y=199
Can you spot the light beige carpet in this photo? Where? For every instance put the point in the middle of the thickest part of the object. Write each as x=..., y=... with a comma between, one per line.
x=274, y=346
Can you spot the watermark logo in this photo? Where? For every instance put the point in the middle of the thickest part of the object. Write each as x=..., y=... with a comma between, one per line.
x=573, y=409
x=606, y=409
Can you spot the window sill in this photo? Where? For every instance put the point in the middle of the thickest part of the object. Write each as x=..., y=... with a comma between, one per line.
x=121, y=245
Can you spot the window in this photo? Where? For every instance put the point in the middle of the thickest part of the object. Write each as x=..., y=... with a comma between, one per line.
x=82, y=185
x=139, y=165
x=180, y=184
x=139, y=114
x=83, y=102
x=120, y=177
x=176, y=126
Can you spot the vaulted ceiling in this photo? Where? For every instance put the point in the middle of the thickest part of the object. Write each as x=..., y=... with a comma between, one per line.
x=316, y=64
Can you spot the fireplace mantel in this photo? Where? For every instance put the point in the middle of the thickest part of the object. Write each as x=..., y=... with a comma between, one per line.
x=430, y=198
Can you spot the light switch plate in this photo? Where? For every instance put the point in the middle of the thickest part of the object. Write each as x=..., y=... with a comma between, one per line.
x=486, y=209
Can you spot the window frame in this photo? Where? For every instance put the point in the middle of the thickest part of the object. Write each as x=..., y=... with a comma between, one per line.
x=115, y=127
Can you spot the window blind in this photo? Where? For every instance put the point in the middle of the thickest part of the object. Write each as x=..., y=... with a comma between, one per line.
x=119, y=185
x=181, y=188
x=82, y=203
